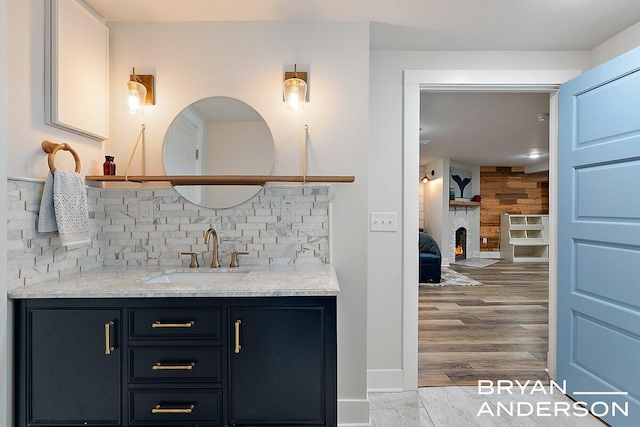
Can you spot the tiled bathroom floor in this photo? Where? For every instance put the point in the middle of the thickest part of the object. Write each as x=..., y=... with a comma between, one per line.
x=460, y=407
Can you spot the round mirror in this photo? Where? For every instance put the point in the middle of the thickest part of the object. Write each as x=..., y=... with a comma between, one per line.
x=218, y=136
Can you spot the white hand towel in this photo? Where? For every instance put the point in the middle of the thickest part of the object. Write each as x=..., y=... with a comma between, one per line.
x=47, y=219
x=65, y=195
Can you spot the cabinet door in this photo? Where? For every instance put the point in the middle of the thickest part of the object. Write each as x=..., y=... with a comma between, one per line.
x=277, y=366
x=71, y=378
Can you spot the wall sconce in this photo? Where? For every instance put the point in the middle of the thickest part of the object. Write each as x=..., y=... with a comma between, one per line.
x=543, y=117
x=428, y=177
x=294, y=89
x=138, y=92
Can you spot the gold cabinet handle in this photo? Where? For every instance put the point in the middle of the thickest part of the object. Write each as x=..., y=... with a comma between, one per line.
x=160, y=367
x=238, y=347
x=108, y=348
x=159, y=324
x=159, y=410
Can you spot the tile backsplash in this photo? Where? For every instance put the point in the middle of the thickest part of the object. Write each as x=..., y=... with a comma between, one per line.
x=120, y=236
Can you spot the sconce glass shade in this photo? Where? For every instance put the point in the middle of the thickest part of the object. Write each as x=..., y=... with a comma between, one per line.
x=134, y=95
x=428, y=176
x=295, y=93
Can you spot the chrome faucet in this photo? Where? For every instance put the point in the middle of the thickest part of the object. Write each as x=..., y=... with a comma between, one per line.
x=215, y=263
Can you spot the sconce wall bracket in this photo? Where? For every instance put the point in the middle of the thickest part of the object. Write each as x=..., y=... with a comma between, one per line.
x=148, y=82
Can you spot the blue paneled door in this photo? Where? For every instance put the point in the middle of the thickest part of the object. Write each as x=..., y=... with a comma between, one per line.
x=599, y=239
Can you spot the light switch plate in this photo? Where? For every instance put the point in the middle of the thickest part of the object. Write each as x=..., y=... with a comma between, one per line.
x=383, y=221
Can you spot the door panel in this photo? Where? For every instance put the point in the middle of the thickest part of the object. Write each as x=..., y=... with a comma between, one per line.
x=608, y=191
x=72, y=379
x=595, y=122
x=599, y=238
x=182, y=152
x=277, y=374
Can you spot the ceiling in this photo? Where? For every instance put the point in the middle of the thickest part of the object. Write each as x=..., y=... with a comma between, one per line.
x=416, y=24
x=472, y=128
x=484, y=129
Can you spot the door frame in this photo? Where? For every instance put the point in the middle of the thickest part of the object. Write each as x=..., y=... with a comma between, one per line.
x=415, y=81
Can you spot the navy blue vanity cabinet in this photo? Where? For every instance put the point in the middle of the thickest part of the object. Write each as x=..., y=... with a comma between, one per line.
x=72, y=371
x=282, y=362
x=250, y=361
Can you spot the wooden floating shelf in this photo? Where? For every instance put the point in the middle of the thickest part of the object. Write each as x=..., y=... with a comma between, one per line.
x=463, y=203
x=220, y=179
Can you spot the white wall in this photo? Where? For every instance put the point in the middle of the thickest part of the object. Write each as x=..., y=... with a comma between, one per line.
x=473, y=215
x=385, y=310
x=616, y=45
x=26, y=129
x=247, y=61
x=5, y=343
x=436, y=196
x=22, y=131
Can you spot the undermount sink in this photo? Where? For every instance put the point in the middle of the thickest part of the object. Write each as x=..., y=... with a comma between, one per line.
x=197, y=277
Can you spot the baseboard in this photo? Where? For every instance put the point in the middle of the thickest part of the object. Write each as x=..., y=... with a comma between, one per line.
x=385, y=380
x=353, y=413
x=551, y=371
x=490, y=255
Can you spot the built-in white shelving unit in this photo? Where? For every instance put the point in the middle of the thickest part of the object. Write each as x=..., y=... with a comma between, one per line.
x=524, y=238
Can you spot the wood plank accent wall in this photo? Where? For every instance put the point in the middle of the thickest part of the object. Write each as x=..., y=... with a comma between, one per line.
x=509, y=190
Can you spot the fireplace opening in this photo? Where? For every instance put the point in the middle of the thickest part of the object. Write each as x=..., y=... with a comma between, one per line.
x=461, y=244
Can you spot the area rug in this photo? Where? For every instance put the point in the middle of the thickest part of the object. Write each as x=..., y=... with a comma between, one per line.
x=453, y=278
x=476, y=262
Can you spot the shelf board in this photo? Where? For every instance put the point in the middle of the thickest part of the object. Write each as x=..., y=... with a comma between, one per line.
x=221, y=179
x=463, y=203
x=527, y=241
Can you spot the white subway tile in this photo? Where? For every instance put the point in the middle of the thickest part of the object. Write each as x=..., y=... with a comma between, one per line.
x=174, y=214
x=166, y=234
x=30, y=280
x=310, y=260
x=15, y=283
x=309, y=226
x=162, y=207
x=144, y=194
x=135, y=255
x=201, y=228
x=252, y=226
x=117, y=238
x=264, y=240
x=254, y=247
x=265, y=219
x=263, y=212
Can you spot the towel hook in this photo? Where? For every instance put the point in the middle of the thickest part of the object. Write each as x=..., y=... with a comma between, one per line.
x=52, y=148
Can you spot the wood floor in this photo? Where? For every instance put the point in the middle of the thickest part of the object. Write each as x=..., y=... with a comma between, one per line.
x=491, y=332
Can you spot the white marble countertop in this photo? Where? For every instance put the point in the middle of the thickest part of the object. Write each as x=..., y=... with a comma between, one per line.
x=129, y=282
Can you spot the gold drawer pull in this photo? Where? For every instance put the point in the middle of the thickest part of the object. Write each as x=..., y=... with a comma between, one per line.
x=158, y=324
x=160, y=367
x=238, y=347
x=160, y=410
x=108, y=348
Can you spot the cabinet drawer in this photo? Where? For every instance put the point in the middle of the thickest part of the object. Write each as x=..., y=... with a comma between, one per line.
x=184, y=408
x=170, y=364
x=175, y=323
